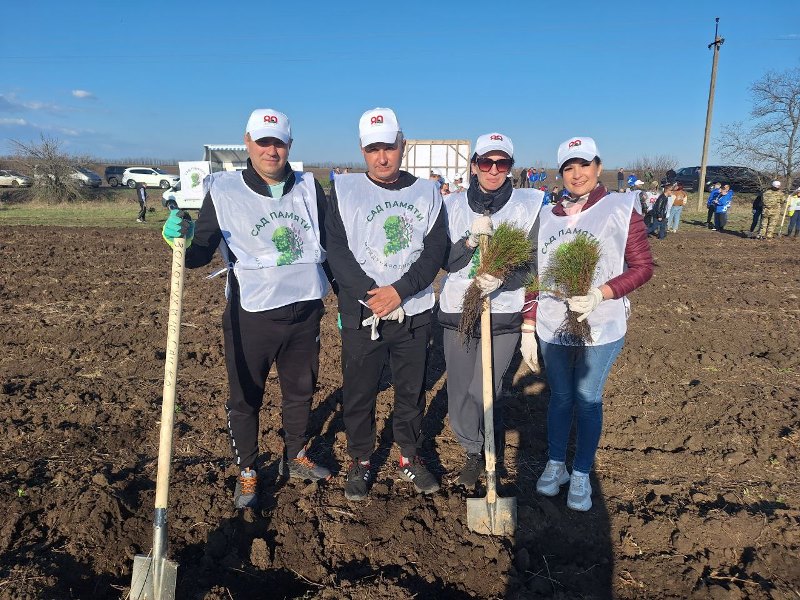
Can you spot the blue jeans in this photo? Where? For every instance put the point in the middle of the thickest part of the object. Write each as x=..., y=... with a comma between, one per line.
x=576, y=376
x=660, y=226
x=674, y=217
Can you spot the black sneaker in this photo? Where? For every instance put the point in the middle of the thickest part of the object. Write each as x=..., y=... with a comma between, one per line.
x=303, y=468
x=246, y=493
x=417, y=473
x=472, y=470
x=358, y=480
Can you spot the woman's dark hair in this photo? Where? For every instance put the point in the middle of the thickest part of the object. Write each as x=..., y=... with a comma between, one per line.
x=596, y=160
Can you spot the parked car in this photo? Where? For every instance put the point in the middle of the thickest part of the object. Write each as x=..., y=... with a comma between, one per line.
x=14, y=179
x=741, y=179
x=113, y=175
x=87, y=177
x=150, y=177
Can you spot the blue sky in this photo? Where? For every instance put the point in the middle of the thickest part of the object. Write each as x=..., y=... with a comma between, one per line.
x=161, y=80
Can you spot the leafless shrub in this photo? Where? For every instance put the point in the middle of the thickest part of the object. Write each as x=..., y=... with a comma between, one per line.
x=52, y=170
x=657, y=166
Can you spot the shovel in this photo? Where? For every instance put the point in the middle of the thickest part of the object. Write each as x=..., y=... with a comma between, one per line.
x=154, y=575
x=491, y=515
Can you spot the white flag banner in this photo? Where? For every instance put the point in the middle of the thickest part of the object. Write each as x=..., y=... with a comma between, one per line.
x=192, y=175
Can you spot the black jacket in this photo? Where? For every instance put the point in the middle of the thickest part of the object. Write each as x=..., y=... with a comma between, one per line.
x=660, y=207
x=353, y=282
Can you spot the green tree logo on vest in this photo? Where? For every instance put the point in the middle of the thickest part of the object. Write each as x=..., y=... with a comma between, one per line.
x=398, y=234
x=195, y=179
x=288, y=242
x=476, y=262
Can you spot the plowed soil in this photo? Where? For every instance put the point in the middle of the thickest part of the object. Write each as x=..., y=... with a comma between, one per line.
x=696, y=486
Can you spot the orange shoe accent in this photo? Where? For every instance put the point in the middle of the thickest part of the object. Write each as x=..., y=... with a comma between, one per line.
x=249, y=484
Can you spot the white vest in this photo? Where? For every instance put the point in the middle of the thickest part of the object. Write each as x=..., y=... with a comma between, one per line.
x=520, y=210
x=607, y=221
x=385, y=229
x=275, y=240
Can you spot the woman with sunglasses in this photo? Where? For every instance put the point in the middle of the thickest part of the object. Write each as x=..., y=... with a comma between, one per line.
x=489, y=201
x=576, y=374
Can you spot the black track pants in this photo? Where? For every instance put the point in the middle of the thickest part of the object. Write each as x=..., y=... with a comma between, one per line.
x=363, y=361
x=288, y=336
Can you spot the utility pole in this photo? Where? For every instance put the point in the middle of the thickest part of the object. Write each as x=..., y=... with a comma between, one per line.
x=701, y=182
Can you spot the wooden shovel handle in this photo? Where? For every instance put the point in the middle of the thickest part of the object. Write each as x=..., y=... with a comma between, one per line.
x=170, y=372
x=488, y=388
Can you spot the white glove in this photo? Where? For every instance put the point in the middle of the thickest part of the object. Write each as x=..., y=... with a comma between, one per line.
x=487, y=283
x=529, y=349
x=398, y=314
x=585, y=304
x=480, y=226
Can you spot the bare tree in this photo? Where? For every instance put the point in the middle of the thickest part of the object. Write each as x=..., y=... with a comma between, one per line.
x=657, y=166
x=52, y=171
x=769, y=140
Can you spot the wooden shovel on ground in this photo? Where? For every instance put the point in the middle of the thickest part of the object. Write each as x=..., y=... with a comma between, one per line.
x=154, y=576
x=491, y=515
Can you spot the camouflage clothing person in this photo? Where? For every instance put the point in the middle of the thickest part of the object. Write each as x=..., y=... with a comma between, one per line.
x=774, y=200
x=387, y=236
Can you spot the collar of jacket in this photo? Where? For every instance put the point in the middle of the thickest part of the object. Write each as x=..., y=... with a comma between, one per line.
x=481, y=202
x=256, y=183
x=599, y=192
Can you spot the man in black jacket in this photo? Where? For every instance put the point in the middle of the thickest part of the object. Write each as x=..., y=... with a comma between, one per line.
x=268, y=223
x=386, y=240
x=659, y=216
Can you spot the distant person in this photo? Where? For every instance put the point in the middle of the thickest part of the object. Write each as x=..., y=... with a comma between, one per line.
x=794, y=214
x=721, y=205
x=555, y=194
x=758, y=209
x=773, y=203
x=458, y=184
x=533, y=179
x=332, y=176
x=445, y=189
x=523, y=178
x=632, y=179
x=141, y=196
x=268, y=222
x=711, y=203
x=675, y=212
x=542, y=175
x=620, y=180
x=658, y=215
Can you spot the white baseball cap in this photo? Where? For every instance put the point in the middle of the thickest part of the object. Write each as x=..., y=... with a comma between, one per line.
x=378, y=125
x=638, y=182
x=494, y=141
x=266, y=122
x=577, y=147
x=776, y=184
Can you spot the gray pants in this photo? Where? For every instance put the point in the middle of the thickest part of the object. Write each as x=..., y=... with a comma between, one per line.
x=465, y=385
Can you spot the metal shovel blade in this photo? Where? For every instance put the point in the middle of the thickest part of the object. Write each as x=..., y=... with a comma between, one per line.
x=151, y=581
x=492, y=518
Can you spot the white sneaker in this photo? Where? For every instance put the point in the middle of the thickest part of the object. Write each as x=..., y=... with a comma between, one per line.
x=580, y=492
x=554, y=476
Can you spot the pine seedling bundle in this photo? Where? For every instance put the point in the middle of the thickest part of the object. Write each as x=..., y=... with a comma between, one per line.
x=570, y=273
x=508, y=250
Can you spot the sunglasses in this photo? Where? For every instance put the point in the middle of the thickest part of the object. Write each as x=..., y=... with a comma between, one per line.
x=503, y=165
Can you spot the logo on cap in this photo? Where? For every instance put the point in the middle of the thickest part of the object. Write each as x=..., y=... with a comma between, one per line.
x=376, y=120
x=574, y=143
x=270, y=119
x=496, y=137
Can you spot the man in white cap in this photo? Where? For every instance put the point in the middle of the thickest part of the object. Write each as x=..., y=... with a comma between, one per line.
x=774, y=199
x=386, y=241
x=490, y=201
x=268, y=222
